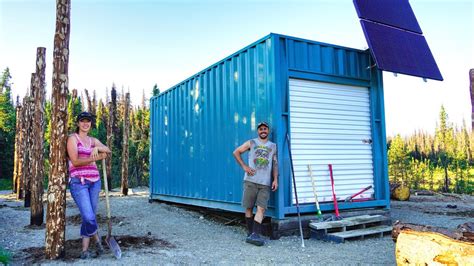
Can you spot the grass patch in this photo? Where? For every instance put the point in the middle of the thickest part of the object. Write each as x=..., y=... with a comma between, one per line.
x=5, y=256
x=6, y=184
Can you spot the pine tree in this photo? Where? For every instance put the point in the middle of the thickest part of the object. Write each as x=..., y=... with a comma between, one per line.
x=7, y=127
x=74, y=108
x=398, y=159
x=444, y=143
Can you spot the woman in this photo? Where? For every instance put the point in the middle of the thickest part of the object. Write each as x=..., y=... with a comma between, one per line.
x=84, y=180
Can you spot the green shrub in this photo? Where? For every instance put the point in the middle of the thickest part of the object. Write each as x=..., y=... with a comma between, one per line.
x=5, y=256
x=6, y=184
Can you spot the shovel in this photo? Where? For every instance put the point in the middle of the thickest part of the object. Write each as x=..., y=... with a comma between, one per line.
x=110, y=240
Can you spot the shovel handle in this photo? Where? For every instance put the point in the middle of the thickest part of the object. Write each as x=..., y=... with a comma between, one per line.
x=314, y=190
x=106, y=188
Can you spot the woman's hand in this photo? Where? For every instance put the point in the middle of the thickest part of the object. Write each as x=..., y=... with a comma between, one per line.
x=95, y=153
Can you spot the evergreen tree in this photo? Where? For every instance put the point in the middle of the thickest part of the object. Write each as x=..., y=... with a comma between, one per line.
x=74, y=108
x=444, y=143
x=398, y=159
x=7, y=127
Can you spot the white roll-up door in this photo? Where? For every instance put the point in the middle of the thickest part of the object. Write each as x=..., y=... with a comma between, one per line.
x=330, y=124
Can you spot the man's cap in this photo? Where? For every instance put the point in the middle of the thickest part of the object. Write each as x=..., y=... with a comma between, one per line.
x=263, y=123
x=84, y=115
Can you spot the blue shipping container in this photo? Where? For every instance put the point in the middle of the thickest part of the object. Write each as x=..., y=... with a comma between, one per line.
x=328, y=98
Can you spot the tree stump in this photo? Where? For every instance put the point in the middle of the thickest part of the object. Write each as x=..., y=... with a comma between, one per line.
x=430, y=248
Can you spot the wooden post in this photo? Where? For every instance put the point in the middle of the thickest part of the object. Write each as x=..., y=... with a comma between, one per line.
x=56, y=211
x=16, y=160
x=126, y=130
x=37, y=162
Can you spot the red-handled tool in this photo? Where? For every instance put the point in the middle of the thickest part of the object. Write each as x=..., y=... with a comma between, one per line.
x=351, y=198
x=336, y=207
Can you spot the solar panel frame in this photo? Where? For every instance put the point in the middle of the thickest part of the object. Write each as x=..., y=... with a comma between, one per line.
x=399, y=51
x=396, y=13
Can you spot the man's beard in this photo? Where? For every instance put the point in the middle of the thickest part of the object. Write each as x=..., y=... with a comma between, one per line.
x=266, y=136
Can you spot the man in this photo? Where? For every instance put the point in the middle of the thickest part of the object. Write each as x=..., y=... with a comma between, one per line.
x=257, y=180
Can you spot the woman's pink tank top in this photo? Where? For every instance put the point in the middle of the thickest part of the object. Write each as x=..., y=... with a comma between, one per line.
x=85, y=172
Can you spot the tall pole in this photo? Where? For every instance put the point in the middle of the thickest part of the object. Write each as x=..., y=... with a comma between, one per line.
x=37, y=162
x=126, y=130
x=56, y=211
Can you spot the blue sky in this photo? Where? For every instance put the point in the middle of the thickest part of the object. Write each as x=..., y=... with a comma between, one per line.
x=139, y=43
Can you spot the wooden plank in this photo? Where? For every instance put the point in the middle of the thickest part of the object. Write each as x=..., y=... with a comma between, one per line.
x=350, y=221
x=362, y=232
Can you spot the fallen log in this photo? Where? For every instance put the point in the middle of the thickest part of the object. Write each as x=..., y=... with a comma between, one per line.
x=467, y=231
x=429, y=248
x=464, y=232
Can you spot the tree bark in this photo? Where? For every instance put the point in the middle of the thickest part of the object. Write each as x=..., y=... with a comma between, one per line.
x=37, y=210
x=126, y=130
x=17, y=154
x=56, y=211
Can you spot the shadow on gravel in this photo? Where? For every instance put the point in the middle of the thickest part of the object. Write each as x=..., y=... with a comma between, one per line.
x=35, y=255
x=76, y=219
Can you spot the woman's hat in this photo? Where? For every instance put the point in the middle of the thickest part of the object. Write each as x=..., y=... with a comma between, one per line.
x=84, y=115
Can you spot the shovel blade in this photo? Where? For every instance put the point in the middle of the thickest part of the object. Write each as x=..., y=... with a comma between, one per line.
x=114, y=246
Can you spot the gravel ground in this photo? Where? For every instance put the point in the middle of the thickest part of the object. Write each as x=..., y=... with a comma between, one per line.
x=168, y=234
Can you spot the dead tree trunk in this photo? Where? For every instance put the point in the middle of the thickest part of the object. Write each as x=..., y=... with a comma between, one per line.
x=471, y=85
x=56, y=211
x=29, y=109
x=126, y=130
x=90, y=108
x=37, y=177
x=464, y=232
x=110, y=142
x=16, y=159
x=21, y=151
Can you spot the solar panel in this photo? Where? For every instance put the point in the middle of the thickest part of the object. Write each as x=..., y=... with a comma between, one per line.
x=396, y=13
x=400, y=51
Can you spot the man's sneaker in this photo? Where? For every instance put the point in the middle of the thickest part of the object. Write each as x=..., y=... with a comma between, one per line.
x=87, y=255
x=255, y=239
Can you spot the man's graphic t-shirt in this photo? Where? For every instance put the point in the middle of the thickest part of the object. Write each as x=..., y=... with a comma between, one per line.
x=260, y=159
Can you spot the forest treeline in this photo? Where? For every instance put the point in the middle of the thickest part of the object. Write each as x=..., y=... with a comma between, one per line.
x=109, y=115
x=439, y=162
x=442, y=161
